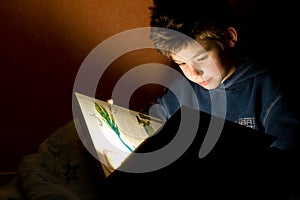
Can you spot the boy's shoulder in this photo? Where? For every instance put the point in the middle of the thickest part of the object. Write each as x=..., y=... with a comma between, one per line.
x=253, y=72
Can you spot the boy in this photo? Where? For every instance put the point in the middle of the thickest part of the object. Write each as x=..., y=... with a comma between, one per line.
x=202, y=39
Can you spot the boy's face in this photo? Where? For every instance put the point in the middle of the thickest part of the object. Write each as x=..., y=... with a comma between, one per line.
x=203, y=64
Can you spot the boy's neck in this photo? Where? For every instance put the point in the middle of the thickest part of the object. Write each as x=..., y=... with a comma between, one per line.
x=230, y=72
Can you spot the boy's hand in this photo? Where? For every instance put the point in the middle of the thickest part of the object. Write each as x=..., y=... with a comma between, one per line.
x=110, y=101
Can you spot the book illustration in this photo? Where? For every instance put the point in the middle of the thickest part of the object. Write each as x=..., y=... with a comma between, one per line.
x=114, y=130
x=131, y=127
x=109, y=119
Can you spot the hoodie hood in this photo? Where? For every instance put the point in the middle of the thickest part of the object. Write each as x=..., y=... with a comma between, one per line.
x=245, y=71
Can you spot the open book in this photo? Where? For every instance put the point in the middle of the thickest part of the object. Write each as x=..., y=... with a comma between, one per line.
x=115, y=132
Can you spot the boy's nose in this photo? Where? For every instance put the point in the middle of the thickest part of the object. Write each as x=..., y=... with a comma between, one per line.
x=195, y=72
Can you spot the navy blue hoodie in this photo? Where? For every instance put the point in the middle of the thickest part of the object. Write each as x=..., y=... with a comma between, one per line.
x=250, y=97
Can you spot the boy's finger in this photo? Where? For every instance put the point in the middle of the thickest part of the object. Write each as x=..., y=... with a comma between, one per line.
x=110, y=101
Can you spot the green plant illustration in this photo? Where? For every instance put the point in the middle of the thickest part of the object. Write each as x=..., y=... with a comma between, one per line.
x=109, y=119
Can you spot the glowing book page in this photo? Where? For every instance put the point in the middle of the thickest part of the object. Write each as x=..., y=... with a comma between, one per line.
x=114, y=130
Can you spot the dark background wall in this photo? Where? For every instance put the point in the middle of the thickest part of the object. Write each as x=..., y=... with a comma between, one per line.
x=42, y=45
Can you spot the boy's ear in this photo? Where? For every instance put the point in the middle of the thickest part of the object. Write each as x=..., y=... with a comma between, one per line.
x=232, y=36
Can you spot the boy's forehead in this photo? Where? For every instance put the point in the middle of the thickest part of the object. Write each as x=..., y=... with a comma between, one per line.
x=189, y=51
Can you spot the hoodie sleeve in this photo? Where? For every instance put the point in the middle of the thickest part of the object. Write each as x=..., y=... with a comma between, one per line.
x=280, y=121
x=180, y=92
x=166, y=106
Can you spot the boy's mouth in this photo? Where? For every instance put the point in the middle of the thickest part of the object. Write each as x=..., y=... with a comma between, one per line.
x=204, y=82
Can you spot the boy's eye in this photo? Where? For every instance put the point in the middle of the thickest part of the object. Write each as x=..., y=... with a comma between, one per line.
x=203, y=57
x=181, y=64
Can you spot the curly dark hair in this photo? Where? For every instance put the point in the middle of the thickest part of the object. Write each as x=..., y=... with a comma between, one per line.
x=196, y=19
